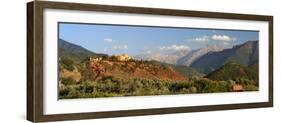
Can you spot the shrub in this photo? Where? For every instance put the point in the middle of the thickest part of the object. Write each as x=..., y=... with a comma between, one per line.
x=251, y=88
x=193, y=89
x=63, y=93
x=67, y=64
x=110, y=86
x=67, y=81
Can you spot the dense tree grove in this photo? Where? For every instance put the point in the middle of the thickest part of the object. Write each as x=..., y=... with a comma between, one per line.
x=110, y=86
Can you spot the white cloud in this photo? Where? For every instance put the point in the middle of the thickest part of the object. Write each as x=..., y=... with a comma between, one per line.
x=225, y=43
x=148, y=52
x=109, y=40
x=201, y=39
x=120, y=47
x=174, y=47
x=224, y=38
x=125, y=46
x=104, y=50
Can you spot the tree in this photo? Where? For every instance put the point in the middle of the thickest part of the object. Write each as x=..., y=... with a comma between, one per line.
x=67, y=64
x=67, y=81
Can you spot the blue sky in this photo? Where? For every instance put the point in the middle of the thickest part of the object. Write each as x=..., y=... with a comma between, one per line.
x=134, y=40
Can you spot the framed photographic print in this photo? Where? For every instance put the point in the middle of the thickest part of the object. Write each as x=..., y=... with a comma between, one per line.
x=96, y=61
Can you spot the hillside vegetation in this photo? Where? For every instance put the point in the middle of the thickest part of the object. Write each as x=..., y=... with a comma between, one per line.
x=108, y=77
x=245, y=76
x=85, y=74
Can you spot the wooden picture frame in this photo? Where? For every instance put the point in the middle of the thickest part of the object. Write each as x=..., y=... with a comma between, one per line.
x=35, y=62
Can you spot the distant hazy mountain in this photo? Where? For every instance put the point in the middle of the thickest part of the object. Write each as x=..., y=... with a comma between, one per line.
x=74, y=52
x=188, y=59
x=170, y=58
x=245, y=54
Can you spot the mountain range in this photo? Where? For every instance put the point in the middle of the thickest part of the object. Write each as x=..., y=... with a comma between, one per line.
x=245, y=54
x=191, y=57
x=170, y=58
x=86, y=74
x=209, y=58
x=194, y=63
x=76, y=60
